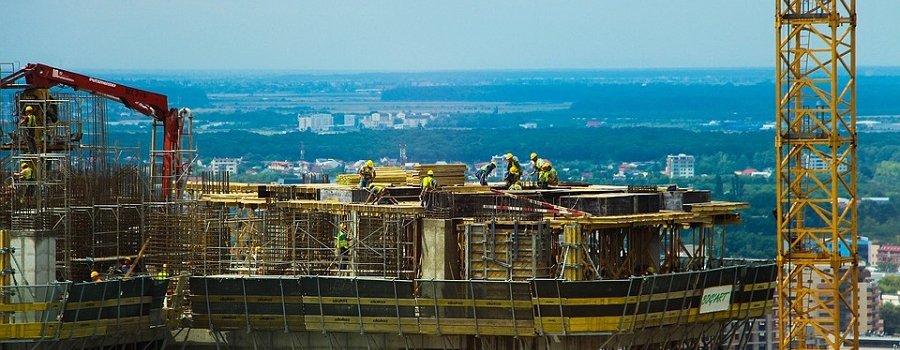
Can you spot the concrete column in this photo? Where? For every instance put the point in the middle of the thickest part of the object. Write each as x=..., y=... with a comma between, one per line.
x=36, y=257
x=440, y=254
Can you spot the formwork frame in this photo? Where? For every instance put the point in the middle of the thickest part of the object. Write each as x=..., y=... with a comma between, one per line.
x=267, y=238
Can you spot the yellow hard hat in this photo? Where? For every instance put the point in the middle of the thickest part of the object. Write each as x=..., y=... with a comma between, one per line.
x=24, y=165
x=370, y=163
x=127, y=258
x=28, y=108
x=533, y=156
x=546, y=166
x=508, y=156
x=94, y=274
x=371, y=186
x=493, y=163
x=431, y=172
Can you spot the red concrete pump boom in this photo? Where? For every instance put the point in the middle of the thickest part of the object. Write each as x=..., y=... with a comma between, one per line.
x=148, y=103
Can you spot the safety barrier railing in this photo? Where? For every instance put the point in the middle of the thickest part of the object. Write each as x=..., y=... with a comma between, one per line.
x=537, y=307
x=60, y=311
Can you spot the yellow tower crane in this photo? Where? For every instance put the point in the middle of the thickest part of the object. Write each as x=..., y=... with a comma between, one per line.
x=816, y=174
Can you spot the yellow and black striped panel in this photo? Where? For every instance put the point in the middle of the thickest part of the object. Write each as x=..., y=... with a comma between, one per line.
x=344, y=304
x=652, y=301
x=359, y=305
x=251, y=303
x=120, y=307
x=113, y=299
x=475, y=307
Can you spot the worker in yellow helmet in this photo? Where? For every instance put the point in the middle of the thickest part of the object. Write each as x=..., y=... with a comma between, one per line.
x=367, y=174
x=95, y=277
x=548, y=176
x=28, y=125
x=513, y=170
x=428, y=186
x=537, y=164
x=516, y=186
x=26, y=174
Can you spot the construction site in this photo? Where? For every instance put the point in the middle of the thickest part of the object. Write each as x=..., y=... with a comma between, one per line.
x=218, y=264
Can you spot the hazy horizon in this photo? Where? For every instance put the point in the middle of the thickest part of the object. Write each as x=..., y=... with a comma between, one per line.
x=414, y=36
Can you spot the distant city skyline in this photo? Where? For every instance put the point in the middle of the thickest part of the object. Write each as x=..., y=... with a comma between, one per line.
x=409, y=35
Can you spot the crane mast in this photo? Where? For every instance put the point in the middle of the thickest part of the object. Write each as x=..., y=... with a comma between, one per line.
x=816, y=142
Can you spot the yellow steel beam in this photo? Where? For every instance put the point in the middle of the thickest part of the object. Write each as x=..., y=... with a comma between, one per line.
x=816, y=143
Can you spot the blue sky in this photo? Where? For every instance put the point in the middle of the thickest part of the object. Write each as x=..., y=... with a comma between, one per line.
x=413, y=35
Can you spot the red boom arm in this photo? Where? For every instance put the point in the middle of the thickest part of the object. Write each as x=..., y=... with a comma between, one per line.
x=149, y=103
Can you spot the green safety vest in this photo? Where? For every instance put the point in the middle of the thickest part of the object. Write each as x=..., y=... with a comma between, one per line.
x=513, y=167
x=28, y=174
x=341, y=241
x=29, y=120
x=429, y=182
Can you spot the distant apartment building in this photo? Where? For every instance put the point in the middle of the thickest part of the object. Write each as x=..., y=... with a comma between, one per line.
x=870, y=321
x=350, y=120
x=757, y=334
x=814, y=162
x=280, y=166
x=317, y=122
x=889, y=254
x=681, y=165
x=868, y=299
x=220, y=166
x=415, y=121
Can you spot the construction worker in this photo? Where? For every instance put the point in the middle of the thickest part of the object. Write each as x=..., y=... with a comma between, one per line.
x=536, y=164
x=126, y=265
x=366, y=174
x=485, y=171
x=516, y=186
x=548, y=176
x=95, y=277
x=428, y=186
x=376, y=193
x=28, y=125
x=26, y=174
x=513, y=170
x=342, y=245
x=163, y=273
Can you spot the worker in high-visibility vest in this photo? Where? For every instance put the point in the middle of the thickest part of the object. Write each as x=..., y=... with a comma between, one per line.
x=26, y=174
x=548, y=176
x=485, y=171
x=513, y=170
x=342, y=245
x=428, y=186
x=28, y=125
x=163, y=273
x=376, y=193
x=537, y=165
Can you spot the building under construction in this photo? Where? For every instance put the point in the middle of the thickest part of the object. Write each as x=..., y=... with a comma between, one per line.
x=257, y=265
